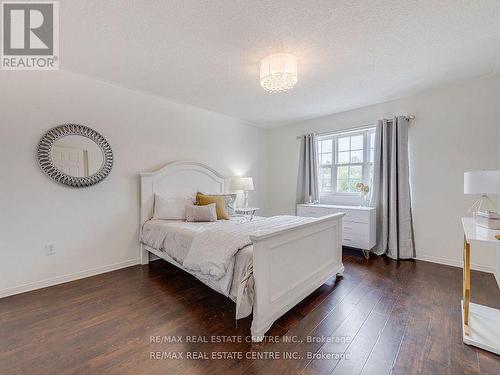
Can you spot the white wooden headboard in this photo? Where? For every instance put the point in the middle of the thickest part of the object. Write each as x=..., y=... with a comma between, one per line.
x=178, y=179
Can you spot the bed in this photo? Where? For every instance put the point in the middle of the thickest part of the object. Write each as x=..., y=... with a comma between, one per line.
x=265, y=265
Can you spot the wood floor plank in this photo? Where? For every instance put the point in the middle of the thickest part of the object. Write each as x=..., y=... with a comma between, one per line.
x=384, y=354
x=402, y=317
x=358, y=351
x=338, y=341
x=343, y=336
x=489, y=363
x=317, y=325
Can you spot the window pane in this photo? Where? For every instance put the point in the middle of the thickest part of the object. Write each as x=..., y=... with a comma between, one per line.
x=326, y=189
x=357, y=156
x=325, y=177
x=351, y=186
x=342, y=186
x=325, y=172
x=344, y=143
x=325, y=169
x=325, y=146
x=348, y=177
x=355, y=173
x=346, y=186
x=342, y=173
x=325, y=159
x=343, y=157
x=326, y=185
x=357, y=142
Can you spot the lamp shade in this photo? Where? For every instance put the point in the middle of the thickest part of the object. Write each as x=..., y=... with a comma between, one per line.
x=482, y=182
x=242, y=183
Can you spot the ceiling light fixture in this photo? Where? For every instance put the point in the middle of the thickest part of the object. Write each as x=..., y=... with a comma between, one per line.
x=278, y=72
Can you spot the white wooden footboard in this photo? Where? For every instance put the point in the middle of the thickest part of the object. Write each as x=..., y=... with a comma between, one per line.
x=289, y=264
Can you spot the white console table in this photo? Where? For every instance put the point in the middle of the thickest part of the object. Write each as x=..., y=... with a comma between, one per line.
x=480, y=324
x=359, y=230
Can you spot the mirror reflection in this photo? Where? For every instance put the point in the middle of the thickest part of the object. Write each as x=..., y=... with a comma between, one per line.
x=77, y=156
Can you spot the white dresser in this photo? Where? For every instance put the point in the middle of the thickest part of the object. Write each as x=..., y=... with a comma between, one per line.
x=359, y=228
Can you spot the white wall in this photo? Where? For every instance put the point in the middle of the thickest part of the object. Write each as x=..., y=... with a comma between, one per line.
x=96, y=229
x=456, y=130
x=497, y=270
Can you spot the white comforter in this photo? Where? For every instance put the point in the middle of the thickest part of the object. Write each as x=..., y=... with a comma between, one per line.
x=218, y=253
x=212, y=251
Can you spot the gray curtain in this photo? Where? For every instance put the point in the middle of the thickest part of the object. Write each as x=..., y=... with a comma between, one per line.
x=308, y=181
x=391, y=190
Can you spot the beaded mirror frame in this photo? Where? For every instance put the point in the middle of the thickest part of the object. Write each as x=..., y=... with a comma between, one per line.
x=44, y=152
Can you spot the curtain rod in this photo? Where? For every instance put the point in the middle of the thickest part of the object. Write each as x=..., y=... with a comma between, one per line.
x=409, y=117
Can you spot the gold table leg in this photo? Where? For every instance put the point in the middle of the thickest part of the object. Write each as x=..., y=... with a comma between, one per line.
x=466, y=284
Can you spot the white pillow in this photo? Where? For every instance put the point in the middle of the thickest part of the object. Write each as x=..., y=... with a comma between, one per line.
x=201, y=213
x=170, y=208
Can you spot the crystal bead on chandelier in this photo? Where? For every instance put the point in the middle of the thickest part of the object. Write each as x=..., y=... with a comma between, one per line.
x=278, y=72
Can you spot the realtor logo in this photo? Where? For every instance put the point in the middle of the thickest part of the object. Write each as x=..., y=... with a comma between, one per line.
x=30, y=35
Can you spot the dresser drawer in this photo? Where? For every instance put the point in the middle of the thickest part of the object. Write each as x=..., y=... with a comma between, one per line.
x=349, y=227
x=355, y=216
x=358, y=240
x=308, y=211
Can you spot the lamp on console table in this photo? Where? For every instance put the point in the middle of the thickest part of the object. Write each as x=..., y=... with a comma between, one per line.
x=483, y=183
x=245, y=184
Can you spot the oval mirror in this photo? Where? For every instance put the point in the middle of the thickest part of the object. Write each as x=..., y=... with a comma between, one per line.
x=75, y=155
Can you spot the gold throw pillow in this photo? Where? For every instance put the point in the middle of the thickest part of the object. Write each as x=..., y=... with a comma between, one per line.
x=220, y=204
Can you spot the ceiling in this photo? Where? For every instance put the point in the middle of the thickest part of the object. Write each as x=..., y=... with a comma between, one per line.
x=351, y=53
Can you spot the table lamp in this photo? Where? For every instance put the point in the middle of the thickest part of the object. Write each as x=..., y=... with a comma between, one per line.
x=482, y=183
x=245, y=184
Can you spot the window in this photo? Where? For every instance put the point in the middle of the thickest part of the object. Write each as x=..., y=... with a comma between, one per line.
x=346, y=159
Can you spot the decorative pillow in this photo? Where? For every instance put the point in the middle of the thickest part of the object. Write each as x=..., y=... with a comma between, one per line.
x=219, y=200
x=170, y=208
x=230, y=201
x=201, y=213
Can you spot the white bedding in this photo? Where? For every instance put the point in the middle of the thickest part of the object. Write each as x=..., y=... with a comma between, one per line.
x=218, y=253
x=212, y=250
x=174, y=237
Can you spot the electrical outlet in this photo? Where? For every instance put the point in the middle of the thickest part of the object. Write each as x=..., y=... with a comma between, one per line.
x=50, y=248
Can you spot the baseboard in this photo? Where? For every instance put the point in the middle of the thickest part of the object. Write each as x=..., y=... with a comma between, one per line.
x=65, y=278
x=456, y=263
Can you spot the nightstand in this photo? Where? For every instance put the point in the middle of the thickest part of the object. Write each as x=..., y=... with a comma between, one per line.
x=246, y=211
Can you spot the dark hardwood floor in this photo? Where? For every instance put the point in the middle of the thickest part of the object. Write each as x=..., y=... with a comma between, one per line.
x=381, y=317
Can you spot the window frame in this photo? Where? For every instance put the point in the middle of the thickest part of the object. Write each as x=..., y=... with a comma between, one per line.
x=365, y=165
